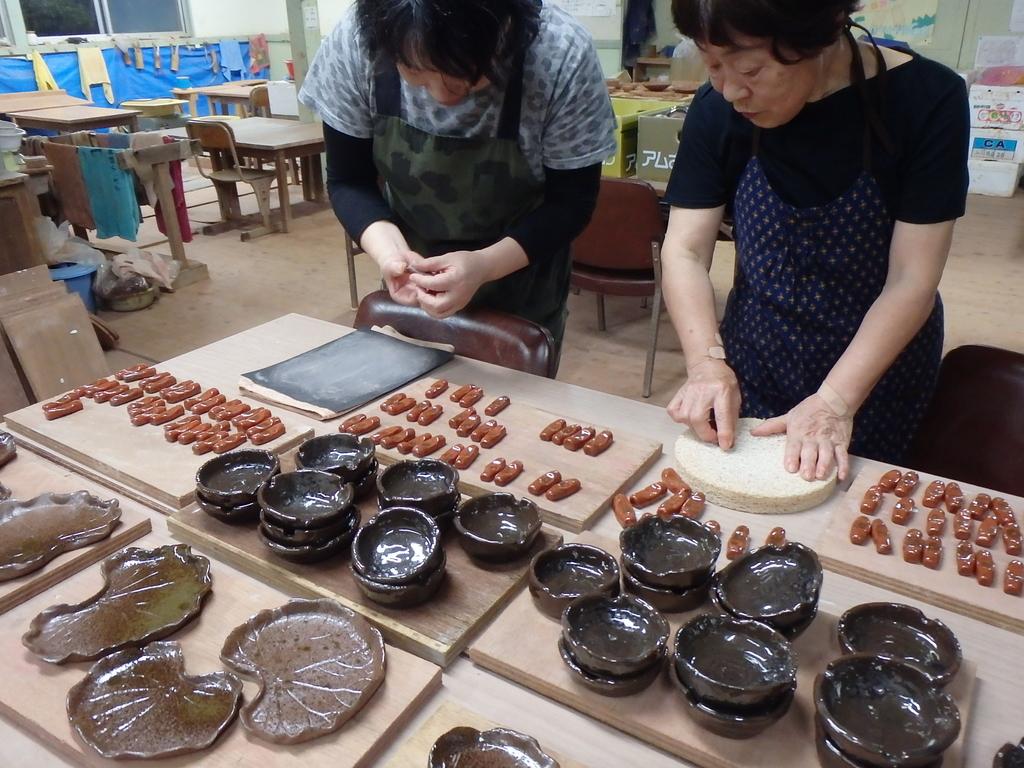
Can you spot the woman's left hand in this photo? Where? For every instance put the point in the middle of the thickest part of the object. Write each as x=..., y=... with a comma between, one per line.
x=816, y=439
x=451, y=283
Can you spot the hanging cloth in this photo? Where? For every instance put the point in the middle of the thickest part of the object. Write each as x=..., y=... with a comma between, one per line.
x=180, y=206
x=158, y=62
x=112, y=192
x=124, y=46
x=69, y=183
x=175, y=58
x=140, y=60
x=639, y=27
x=44, y=77
x=213, y=58
x=259, y=54
x=93, y=69
x=231, y=57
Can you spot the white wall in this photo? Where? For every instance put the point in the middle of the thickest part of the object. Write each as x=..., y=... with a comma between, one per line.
x=211, y=18
x=331, y=12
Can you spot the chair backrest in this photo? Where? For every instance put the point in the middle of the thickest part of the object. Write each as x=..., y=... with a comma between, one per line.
x=482, y=334
x=216, y=138
x=259, y=101
x=973, y=429
x=626, y=221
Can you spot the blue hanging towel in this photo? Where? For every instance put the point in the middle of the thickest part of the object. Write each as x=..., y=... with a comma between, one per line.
x=111, y=190
x=231, y=57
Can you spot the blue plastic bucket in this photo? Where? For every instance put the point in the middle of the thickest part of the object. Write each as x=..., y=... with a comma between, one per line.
x=77, y=278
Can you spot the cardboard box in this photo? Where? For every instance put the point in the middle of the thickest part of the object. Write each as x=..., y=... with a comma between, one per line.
x=997, y=144
x=995, y=179
x=997, y=106
x=658, y=142
x=627, y=113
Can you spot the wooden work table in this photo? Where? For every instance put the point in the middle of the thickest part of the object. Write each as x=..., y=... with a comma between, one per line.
x=81, y=117
x=995, y=652
x=30, y=100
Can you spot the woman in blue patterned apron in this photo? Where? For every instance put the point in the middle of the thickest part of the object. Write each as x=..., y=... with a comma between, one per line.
x=845, y=167
x=487, y=121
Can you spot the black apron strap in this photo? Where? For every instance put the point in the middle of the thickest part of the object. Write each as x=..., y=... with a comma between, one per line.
x=387, y=88
x=874, y=124
x=755, y=142
x=512, y=108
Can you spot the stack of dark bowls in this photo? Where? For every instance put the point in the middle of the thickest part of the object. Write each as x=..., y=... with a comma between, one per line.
x=428, y=485
x=227, y=486
x=497, y=527
x=669, y=563
x=307, y=516
x=352, y=458
x=561, y=575
x=737, y=677
x=615, y=646
x=397, y=558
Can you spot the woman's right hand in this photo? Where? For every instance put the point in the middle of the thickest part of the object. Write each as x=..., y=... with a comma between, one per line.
x=711, y=387
x=395, y=271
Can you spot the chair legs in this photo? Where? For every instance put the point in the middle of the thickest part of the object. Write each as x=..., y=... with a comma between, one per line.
x=602, y=325
x=350, y=256
x=655, y=319
x=261, y=188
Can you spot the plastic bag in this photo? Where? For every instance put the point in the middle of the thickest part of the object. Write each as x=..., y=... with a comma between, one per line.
x=60, y=247
x=159, y=269
x=108, y=285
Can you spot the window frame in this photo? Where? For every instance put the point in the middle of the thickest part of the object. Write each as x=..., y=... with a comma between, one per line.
x=103, y=19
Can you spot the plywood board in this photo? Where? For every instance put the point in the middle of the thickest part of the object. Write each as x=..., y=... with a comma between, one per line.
x=437, y=631
x=29, y=476
x=416, y=749
x=943, y=587
x=24, y=279
x=602, y=476
x=36, y=704
x=522, y=646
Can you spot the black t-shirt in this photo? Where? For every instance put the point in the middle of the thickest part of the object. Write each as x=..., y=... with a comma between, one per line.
x=817, y=156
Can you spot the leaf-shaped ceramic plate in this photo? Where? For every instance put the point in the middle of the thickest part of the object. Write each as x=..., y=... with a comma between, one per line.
x=8, y=449
x=139, y=703
x=318, y=664
x=148, y=594
x=34, y=532
x=496, y=748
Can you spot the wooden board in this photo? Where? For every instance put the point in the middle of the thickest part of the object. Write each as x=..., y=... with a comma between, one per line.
x=437, y=631
x=37, y=703
x=416, y=749
x=602, y=476
x=101, y=443
x=24, y=279
x=522, y=646
x=29, y=476
x=943, y=587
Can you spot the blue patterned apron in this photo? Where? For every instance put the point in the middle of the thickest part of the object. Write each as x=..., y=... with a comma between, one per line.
x=805, y=279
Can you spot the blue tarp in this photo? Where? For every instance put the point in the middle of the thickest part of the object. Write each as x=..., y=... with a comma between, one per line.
x=128, y=82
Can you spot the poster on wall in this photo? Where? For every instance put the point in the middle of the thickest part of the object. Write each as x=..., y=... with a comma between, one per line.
x=588, y=8
x=911, y=21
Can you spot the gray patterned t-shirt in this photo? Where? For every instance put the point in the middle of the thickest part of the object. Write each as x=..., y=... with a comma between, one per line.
x=567, y=119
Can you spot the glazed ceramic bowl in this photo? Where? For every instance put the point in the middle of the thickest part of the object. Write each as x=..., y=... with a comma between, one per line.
x=397, y=546
x=498, y=527
x=300, y=537
x=664, y=599
x=349, y=457
x=675, y=553
x=8, y=448
x=496, y=748
x=312, y=553
x=402, y=595
x=560, y=575
x=305, y=499
x=902, y=632
x=778, y=586
x=247, y=513
x=626, y=685
x=614, y=636
x=1010, y=756
x=427, y=484
x=744, y=665
x=731, y=723
x=855, y=694
x=233, y=479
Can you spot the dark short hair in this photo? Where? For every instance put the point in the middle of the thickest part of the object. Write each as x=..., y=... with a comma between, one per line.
x=466, y=39
x=796, y=27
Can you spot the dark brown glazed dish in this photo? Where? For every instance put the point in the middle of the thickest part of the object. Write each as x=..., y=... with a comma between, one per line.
x=497, y=748
x=147, y=595
x=902, y=632
x=856, y=693
x=247, y=513
x=300, y=537
x=317, y=662
x=305, y=499
x=560, y=575
x=664, y=599
x=728, y=663
x=614, y=636
x=398, y=545
x=402, y=595
x=349, y=457
x=830, y=756
x=32, y=533
x=8, y=448
x=428, y=484
x=1010, y=756
x=611, y=685
x=778, y=586
x=307, y=554
x=5, y=492
x=232, y=479
x=497, y=527
x=675, y=553
x=139, y=703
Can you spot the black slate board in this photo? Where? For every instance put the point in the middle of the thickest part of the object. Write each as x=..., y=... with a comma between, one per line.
x=346, y=373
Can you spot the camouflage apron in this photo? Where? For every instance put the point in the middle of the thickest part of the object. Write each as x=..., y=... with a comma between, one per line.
x=463, y=194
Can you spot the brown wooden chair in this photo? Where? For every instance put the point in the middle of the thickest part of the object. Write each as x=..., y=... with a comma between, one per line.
x=482, y=334
x=217, y=141
x=259, y=106
x=619, y=253
x=973, y=429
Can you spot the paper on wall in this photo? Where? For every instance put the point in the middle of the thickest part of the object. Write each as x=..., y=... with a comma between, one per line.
x=999, y=51
x=588, y=8
x=1017, y=16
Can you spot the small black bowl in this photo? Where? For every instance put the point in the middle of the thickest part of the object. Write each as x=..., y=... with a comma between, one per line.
x=1009, y=756
x=397, y=546
x=249, y=513
x=299, y=537
x=614, y=636
x=233, y=479
x=610, y=685
x=902, y=632
x=305, y=499
x=856, y=693
x=664, y=599
x=428, y=484
x=310, y=553
x=560, y=575
x=676, y=553
x=351, y=458
x=726, y=662
x=778, y=586
x=831, y=756
x=498, y=527
x=402, y=595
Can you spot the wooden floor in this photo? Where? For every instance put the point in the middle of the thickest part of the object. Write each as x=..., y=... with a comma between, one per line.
x=305, y=272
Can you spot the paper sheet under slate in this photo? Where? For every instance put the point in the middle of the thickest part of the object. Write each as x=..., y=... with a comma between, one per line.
x=343, y=374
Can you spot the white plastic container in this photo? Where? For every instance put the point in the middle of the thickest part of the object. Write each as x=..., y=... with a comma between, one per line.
x=993, y=178
x=997, y=106
x=997, y=144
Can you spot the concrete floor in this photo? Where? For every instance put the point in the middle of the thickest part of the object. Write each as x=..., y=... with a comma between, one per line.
x=305, y=272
